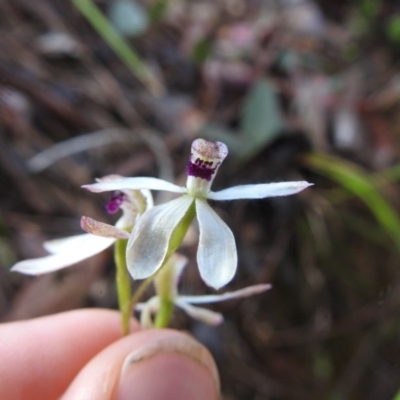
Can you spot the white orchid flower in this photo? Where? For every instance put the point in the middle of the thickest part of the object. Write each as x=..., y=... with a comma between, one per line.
x=150, y=239
x=170, y=274
x=67, y=251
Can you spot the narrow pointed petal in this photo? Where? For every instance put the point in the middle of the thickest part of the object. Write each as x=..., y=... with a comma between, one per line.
x=134, y=184
x=216, y=255
x=65, y=245
x=146, y=321
x=147, y=310
x=259, y=191
x=150, y=237
x=201, y=314
x=98, y=228
x=88, y=247
x=245, y=292
x=149, y=202
x=72, y=243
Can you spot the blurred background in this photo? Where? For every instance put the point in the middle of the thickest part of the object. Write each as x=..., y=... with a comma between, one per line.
x=298, y=90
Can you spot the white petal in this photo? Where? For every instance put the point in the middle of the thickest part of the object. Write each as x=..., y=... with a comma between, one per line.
x=150, y=237
x=246, y=292
x=87, y=248
x=147, y=310
x=259, y=191
x=148, y=198
x=216, y=255
x=201, y=314
x=135, y=184
x=71, y=243
x=153, y=303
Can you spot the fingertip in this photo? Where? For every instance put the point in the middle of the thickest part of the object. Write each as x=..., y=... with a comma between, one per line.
x=170, y=367
x=151, y=364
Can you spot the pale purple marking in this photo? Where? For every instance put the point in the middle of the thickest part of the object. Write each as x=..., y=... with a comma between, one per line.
x=115, y=202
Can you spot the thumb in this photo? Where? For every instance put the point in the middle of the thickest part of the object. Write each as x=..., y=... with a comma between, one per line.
x=148, y=365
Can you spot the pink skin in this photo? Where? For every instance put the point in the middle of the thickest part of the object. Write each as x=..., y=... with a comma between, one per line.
x=80, y=354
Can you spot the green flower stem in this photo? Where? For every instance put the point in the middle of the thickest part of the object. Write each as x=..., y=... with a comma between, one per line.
x=138, y=294
x=180, y=231
x=166, y=295
x=123, y=284
x=164, y=314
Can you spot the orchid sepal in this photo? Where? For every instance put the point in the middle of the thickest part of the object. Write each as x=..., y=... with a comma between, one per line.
x=86, y=246
x=134, y=184
x=149, y=242
x=98, y=228
x=166, y=284
x=260, y=191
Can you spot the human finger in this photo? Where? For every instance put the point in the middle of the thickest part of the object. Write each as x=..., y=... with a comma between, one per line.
x=40, y=357
x=149, y=365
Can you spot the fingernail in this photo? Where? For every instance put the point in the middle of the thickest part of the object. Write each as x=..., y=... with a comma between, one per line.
x=176, y=368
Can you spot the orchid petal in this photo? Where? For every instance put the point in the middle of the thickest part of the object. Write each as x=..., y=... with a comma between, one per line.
x=201, y=314
x=146, y=321
x=148, y=198
x=147, y=310
x=259, y=191
x=67, y=244
x=245, y=292
x=98, y=228
x=216, y=255
x=134, y=184
x=150, y=237
x=89, y=245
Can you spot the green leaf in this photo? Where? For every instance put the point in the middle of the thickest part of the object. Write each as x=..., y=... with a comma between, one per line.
x=397, y=396
x=360, y=184
x=261, y=119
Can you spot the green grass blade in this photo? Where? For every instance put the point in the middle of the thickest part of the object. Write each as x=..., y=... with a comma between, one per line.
x=120, y=46
x=357, y=182
x=397, y=396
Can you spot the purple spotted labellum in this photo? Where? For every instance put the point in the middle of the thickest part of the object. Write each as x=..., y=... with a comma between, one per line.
x=205, y=159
